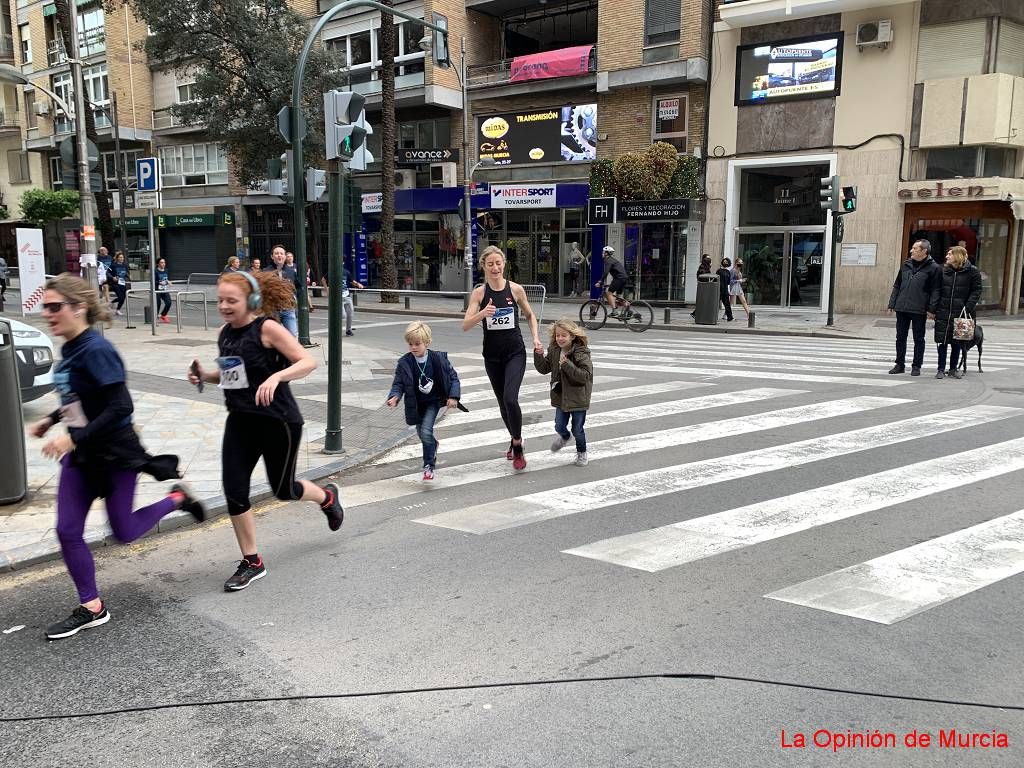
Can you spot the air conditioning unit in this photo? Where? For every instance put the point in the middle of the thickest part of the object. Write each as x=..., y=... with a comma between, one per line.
x=874, y=33
x=442, y=175
x=41, y=108
x=405, y=179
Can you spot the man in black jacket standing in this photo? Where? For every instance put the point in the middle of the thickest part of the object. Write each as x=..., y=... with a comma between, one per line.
x=918, y=278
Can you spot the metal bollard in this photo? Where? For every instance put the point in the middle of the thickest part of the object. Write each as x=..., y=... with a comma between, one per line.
x=408, y=302
x=355, y=298
x=750, y=320
x=668, y=315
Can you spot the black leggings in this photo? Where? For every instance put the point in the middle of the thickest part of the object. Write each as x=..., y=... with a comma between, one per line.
x=247, y=437
x=164, y=300
x=506, y=377
x=121, y=293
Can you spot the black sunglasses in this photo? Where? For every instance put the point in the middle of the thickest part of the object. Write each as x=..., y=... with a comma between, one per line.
x=53, y=307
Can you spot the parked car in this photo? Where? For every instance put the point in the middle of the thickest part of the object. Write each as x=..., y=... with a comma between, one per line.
x=34, y=351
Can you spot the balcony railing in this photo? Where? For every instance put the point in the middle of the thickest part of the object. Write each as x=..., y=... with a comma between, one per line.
x=502, y=72
x=164, y=118
x=9, y=119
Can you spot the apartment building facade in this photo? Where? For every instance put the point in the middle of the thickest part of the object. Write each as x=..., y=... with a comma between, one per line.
x=916, y=103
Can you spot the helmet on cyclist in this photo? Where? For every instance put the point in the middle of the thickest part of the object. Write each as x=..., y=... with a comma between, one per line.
x=607, y=249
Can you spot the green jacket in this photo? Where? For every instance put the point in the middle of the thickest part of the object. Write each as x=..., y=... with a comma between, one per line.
x=572, y=382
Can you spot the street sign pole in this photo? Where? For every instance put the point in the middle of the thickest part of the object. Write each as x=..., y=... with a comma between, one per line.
x=335, y=277
x=147, y=174
x=152, y=273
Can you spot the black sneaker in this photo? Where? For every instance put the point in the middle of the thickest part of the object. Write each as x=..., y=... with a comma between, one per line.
x=191, y=504
x=332, y=507
x=897, y=369
x=80, y=618
x=915, y=371
x=245, y=575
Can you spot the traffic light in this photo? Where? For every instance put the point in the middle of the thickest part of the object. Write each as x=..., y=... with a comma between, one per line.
x=829, y=193
x=362, y=157
x=849, y=199
x=316, y=184
x=343, y=137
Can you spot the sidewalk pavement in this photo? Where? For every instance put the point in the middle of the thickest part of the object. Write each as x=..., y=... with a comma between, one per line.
x=173, y=417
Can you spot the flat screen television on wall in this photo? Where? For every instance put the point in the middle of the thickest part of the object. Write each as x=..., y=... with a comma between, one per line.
x=785, y=70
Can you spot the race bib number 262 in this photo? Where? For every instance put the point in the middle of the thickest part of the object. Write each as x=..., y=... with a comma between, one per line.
x=502, y=320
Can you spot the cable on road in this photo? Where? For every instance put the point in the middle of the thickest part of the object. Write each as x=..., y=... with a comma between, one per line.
x=512, y=684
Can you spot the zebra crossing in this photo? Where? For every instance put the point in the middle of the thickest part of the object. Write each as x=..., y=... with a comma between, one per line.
x=662, y=410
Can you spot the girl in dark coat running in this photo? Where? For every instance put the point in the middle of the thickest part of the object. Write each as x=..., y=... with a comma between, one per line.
x=100, y=454
x=959, y=289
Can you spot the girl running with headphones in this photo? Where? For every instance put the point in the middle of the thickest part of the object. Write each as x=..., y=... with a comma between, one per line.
x=258, y=357
x=496, y=306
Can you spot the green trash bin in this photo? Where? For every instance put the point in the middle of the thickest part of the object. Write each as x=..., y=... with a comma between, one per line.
x=14, y=475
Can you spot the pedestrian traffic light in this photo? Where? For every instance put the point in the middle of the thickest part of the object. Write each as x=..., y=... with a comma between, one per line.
x=830, y=193
x=362, y=157
x=316, y=184
x=342, y=136
x=849, y=199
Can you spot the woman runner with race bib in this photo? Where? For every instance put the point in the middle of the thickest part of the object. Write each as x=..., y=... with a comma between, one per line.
x=258, y=357
x=496, y=306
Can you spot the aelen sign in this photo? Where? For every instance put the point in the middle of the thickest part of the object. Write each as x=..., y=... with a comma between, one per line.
x=941, y=191
x=523, y=195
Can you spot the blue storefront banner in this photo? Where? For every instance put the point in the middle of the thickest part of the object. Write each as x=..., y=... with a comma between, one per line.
x=362, y=271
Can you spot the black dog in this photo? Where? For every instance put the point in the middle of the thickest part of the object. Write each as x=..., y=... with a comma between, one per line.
x=978, y=341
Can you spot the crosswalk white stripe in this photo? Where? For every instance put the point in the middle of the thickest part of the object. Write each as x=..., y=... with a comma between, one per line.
x=547, y=505
x=763, y=359
x=479, y=381
x=617, y=364
x=597, y=420
x=532, y=389
x=885, y=348
x=490, y=469
x=902, y=584
x=672, y=545
x=544, y=404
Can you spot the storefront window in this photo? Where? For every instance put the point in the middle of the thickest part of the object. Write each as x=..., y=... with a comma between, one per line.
x=782, y=196
x=985, y=239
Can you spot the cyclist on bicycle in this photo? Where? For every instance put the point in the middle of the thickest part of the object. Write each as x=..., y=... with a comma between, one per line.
x=613, y=267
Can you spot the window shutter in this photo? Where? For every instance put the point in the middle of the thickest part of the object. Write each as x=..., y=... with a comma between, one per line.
x=952, y=50
x=662, y=17
x=1010, y=53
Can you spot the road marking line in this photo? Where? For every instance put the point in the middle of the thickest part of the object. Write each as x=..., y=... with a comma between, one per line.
x=623, y=489
x=902, y=584
x=596, y=420
x=532, y=389
x=672, y=545
x=691, y=434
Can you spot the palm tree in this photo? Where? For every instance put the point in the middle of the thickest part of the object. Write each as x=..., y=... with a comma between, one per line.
x=388, y=44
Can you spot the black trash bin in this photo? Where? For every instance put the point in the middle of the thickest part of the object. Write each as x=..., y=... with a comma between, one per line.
x=14, y=474
x=706, y=311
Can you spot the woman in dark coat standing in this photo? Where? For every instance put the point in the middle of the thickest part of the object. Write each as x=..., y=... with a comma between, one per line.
x=959, y=288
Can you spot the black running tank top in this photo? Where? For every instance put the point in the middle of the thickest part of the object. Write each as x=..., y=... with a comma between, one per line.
x=502, y=337
x=245, y=364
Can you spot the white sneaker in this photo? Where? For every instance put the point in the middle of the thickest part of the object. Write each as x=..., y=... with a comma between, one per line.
x=559, y=443
x=581, y=459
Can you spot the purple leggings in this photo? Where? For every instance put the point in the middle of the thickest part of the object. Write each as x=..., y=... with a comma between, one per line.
x=73, y=501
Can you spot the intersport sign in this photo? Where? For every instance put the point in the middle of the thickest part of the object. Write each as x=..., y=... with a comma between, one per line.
x=523, y=195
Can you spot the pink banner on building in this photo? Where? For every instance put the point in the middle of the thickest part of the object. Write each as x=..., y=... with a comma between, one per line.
x=564, y=62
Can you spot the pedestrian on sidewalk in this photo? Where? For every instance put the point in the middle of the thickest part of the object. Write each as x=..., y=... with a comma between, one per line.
x=737, y=287
x=100, y=454
x=496, y=306
x=119, y=280
x=960, y=290
x=234, y=264
x=162, y=286
x=347, y=307
x=255, y=266
x=915, y=290
x=572, y=383
x=724, y=273
x=286, y=313
x=427, y=380
x=258, y=357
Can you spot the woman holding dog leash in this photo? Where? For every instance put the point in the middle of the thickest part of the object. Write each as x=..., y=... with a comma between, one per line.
x=958, y=293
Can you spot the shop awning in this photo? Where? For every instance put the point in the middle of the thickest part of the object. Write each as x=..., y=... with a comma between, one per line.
x=565, y=62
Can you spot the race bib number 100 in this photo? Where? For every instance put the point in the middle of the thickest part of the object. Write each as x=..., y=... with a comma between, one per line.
x=232, y=373
x=502, y=320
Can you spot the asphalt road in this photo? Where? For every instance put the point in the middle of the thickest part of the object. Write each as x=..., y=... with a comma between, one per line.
x=486, y=593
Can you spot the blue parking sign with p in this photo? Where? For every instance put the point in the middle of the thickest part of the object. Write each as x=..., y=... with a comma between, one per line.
x=147, y=175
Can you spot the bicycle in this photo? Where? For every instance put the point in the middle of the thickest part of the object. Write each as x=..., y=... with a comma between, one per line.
x=636, y=314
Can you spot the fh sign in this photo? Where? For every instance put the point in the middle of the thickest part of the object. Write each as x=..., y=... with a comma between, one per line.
x=147, y=172
x=602, y=210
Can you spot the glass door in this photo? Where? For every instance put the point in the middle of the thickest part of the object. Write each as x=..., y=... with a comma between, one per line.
x=765, y=265
x=807, y=264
